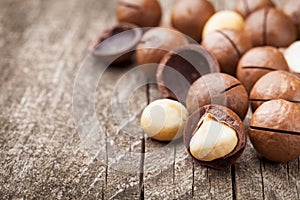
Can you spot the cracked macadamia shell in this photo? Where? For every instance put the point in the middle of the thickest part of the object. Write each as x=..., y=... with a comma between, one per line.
x=275, y=85
x=221, y=89
x=270, y=26
x=257, y=62
x=227, y=46
x=222, y=115
x=246, y=7
x=190, y=16
x=275, y=130
x=143, y=13
x=181, y=67
x=292, y=54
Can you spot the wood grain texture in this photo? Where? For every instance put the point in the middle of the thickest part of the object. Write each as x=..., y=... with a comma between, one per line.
x=42, y=154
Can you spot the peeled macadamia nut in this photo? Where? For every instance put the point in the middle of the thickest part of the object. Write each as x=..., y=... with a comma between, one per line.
x=212, y=140
x=225, y=19
x=275, y=85
x=221, y=89
x=164, y=119
x=292, y=56
x=227, y=46
x=190, y=16
x=215, y=136
x=275, y=130
x=154, y=44
x=292, y=9
x=270, y=26
x=143, y=13
x=246, y=7
x=257, y=62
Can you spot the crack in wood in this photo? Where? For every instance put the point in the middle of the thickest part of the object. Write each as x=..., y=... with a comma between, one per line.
x=233, y=182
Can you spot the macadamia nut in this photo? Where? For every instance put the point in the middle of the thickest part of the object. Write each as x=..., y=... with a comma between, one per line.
x=164, y=119
x=212, y=140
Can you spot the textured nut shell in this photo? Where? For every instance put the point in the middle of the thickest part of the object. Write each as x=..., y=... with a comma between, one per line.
x=292, y=9
x=227, y=46
x=262, y=60
x=246, y=7
x=213, y=88
x=280, y=30
x=190, y=62
x=270, y=26
x=278, y=115
x=143, y=13
x=190, y=16
x=275, y=85
x=222, y=114
x=226, y=19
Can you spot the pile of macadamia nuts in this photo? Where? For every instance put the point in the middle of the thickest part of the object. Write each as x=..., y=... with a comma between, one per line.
x=210, y=67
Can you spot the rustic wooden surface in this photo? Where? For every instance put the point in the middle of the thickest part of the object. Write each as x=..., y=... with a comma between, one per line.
x=43, y=44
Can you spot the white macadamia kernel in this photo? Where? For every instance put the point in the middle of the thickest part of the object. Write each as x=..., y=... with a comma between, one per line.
x=212, y=140
x=292, y=56
x=164, y=119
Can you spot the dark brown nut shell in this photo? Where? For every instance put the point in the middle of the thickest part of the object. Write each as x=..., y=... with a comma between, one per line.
x=180, y=68
x=292, y=9
x=117, y=44
x=190, y=16
x=221, y=89
x=155, y=43
x=270, y=26
x=257, y=62
x=227, y=116
x=227, y=46
x=275, y=85
x=275, y=130
x=246, y=7
x=143, y=13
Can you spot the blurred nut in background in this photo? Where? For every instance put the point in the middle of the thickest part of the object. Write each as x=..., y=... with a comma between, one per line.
x=292, y=56
x=275, y=85
x=246, y=7
x=270, y=26
x=221, y=89
x=292, y=9
x=227, y=46
x=155, y=43
x=181, y=67
x=143, y=13
x=215, y=136
x=257, y=62
x=164, y=119
x=275, y=130
x=190, y=16
x=226, y=19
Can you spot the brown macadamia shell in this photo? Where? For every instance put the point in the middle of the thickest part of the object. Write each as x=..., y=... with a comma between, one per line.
x=246, y=7
x=270, y=26
x=221, y=89
x=275, y=130
x=227, y=46
x=257, y=62
x=292, y=9
x=275, y=85
x=143, y=13
x=181, y=67
x=189, y=17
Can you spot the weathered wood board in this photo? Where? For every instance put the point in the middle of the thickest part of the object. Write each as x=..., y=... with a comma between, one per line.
x=43, y=47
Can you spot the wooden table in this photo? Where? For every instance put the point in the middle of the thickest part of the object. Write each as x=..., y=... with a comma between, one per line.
x=43, y=45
